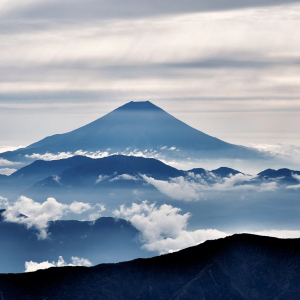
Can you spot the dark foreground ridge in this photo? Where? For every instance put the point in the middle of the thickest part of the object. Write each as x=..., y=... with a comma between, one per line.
x=237, y=267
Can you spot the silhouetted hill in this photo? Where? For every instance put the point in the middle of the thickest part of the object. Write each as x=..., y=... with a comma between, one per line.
x=239, y=267
x=136, y=125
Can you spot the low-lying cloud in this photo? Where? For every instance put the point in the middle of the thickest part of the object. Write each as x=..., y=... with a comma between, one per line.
x=193, y=187
x=38, y=215
x=163, y=228
x=31, y=266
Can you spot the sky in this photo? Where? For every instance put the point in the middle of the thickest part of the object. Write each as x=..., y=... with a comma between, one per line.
x=228, y=68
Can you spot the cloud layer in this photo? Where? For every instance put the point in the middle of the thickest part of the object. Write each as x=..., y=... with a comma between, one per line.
x=194, y=187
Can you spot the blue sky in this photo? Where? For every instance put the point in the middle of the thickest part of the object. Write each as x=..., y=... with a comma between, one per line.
x=228, y=68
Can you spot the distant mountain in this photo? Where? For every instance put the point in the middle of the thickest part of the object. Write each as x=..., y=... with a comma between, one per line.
x=113, y=173
x=239, y=267
x=109, y=170
x=137, y=125
x=106, y=240
x=225, y=172
x=36, y=171
x=282, y=175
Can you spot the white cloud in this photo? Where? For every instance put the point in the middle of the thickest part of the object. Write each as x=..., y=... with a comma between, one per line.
x=296, y=176
x=7, y=171
x=288, y=153
x=163, y=228
x=295, y=186
x=5, y=162
x=38, y=215
x=193, y=187
x=3, y=202
x=31, y=266
x=184, y=239
x=50, y=156
x=178, y=188
x=124, y=177
x=101, y=178
x=79, y=207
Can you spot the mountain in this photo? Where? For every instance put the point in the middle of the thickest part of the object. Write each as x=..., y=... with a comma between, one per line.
x=225, y=172
x=36, y=171
x=285, y=176
x=137, y=125
x=239, y=267
x=110, y=170
x=112, y=174
x=105, y=240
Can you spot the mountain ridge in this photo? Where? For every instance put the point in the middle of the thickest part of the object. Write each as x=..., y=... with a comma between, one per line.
x=238, y=267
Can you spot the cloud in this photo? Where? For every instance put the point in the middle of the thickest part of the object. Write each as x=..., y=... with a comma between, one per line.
x=68, y=11
x=124, y=177
x=5, y=163
x=163, y=228
x=7, y=171
x=101, y=178
x=296, y=186
x=5, y=148
x=92, y=154
x=38, y=215
x=3, y=202
x=193, y=187
x=79, y=207
x=178, y=188
x=282, y=234
x=50, y=156
x=98, y=210
x=288, y=153
x=31, y=266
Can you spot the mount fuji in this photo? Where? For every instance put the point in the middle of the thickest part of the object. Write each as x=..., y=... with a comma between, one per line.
x=137, y=125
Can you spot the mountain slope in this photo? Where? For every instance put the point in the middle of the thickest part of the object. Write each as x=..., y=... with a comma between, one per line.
x=239, y=267
x=136, y=125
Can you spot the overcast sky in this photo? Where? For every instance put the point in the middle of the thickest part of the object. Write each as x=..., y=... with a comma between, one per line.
x=230, y=68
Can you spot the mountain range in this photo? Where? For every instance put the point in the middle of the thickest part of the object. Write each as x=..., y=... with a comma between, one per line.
x=239, y=267
x=116, y=172
x=136, y=125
